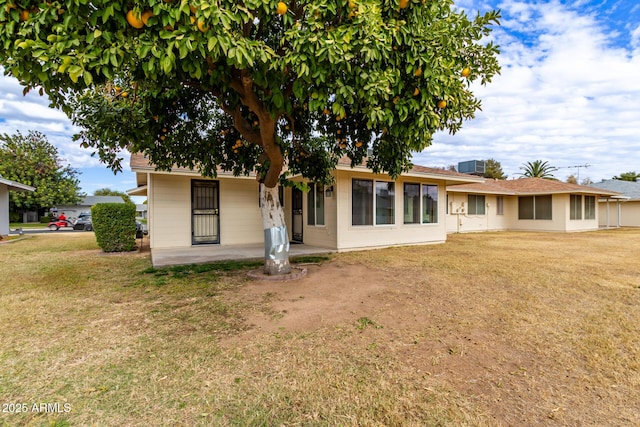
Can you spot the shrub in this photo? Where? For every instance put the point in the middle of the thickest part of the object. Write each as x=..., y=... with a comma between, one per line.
x=45, y=219
x=114, y=225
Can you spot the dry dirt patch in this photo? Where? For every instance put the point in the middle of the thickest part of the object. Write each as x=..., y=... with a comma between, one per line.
x=534, y=336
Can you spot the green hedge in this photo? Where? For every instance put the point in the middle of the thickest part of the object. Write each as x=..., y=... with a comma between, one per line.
x=114, y=225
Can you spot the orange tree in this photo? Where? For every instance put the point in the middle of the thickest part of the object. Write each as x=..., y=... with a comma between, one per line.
x=253, y=85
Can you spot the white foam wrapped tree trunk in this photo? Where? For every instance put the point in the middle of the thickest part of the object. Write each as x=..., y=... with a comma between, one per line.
x=276, y=240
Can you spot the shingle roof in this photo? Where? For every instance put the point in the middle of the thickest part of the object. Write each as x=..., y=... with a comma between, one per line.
x=629, y=189
x=94, y=200
x=528, y=186
x=140, y=162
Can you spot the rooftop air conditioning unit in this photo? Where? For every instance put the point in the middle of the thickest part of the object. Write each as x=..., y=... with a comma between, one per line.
x=472, y=167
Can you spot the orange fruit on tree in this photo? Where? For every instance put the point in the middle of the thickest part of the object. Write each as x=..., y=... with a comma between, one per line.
x=282, y=8
x=24, y=15
x=465, y=72
x=359, y=144
x=418, y=72
x=404, y=4
x=145, y=16
x=202, y=26
x=416, y=92
x=134, y=20
x=442, y=104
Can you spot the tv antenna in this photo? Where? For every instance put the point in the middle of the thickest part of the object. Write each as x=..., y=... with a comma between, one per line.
x=576, y=167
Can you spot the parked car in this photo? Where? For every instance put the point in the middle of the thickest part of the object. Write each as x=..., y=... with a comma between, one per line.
x=83, y=222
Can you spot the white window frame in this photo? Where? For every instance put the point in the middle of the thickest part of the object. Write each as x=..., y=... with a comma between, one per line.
x=313, y=194
x=421, y=195
x=374, y=206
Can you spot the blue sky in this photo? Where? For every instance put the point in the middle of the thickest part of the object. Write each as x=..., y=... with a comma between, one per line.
x=568, y=93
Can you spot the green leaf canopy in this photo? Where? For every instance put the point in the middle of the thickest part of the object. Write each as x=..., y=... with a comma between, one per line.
x=239, y=86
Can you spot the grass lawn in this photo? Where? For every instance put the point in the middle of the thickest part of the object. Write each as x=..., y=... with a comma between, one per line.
x=489, y=329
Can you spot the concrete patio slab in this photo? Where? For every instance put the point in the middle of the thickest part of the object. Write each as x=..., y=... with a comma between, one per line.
x=201, y=254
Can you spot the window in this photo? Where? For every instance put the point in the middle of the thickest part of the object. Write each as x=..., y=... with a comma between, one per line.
x=575, y=209
x=385, y=201
x=412, y=203
x=429, y=204
x=589, y=207
x=476, y=204
x=420, y=204
x=534, y=207
x=499, y=205
x=364, y=202
x=315, y=205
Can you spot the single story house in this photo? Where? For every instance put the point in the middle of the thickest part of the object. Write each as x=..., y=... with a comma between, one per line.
x=619, y=211
x=73, y=211
x=360, y=210
x=525, y=204
x=7, y=185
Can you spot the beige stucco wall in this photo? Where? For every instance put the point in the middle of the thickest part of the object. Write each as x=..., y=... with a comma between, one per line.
x=170, y=211
x=509, y=221
x=320, y=235
x=490, y=221
x=626, y=215
x=356, y=237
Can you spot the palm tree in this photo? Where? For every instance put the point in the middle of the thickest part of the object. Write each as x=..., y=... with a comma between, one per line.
x=538, y=169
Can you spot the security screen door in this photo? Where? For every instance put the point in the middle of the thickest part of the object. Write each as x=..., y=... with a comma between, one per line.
x=205, y=212
x=296, y=214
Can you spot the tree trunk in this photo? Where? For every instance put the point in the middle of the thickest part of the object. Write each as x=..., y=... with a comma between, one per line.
x=276, y=239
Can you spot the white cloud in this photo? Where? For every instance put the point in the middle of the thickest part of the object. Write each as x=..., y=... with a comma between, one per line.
x=566, y=94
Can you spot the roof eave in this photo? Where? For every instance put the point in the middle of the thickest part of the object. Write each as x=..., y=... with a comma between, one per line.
x=412, y=174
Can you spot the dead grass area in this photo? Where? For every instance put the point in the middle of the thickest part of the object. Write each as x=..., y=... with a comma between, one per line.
x=491, y=329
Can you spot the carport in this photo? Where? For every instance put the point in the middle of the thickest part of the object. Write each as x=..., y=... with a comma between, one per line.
x=7, y=185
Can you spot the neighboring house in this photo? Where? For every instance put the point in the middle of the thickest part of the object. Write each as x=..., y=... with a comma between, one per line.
x=141, y=211
x=361, y=209
x=620, y=211
x=7, y=185
x=73, y=211
x=527, y=204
